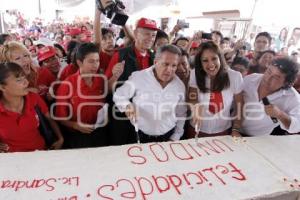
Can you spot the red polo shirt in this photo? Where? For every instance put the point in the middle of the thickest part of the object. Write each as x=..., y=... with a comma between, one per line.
x=104, y=61
x=44, y=80
x=143, y=62
x=68, y=71
x=20, y=131
x=45, y=77
x=82, y=105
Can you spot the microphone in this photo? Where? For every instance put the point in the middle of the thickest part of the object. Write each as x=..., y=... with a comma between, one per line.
x=266, y=102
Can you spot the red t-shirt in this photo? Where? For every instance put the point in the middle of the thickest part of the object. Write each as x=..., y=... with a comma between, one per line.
x=143, y=62
x=68, y=71
x=84, y=101
x=20, y=131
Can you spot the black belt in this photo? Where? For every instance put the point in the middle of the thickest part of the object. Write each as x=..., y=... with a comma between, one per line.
x=155, y=138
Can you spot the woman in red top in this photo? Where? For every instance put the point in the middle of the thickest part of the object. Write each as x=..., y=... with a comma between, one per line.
x=17, y=53
x=79, y=98
x=19, y=122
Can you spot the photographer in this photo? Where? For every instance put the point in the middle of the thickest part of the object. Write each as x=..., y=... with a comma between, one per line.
x=113, y=9
x=238, y=51
x=180, y=25
x=105, y=38
x=262, y=43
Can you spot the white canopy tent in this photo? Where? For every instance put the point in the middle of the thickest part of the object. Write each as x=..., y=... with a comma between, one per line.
x=268, y=14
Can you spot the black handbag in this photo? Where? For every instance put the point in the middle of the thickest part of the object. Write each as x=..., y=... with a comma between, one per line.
x=45, y=128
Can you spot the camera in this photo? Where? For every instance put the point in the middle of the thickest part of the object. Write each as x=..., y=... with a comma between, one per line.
x=113, y=9
x=183, y=24
x=206, y=36
x=244, y=47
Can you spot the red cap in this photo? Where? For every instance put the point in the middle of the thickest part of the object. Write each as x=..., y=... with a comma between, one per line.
x=74, y=31
x=194, y=45
x=45, y=53
x=146, y=23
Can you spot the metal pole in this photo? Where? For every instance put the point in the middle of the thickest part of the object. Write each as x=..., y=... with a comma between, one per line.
x=2, y=22
x=253, y=8
x=40, y=7
x=251, y=19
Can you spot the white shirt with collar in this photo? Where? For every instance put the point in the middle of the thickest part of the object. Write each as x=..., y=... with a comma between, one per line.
x=221, y=121
x=256, y=121
x=158, y=109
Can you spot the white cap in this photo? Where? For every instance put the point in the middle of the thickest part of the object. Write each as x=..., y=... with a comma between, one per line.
x=44, y=41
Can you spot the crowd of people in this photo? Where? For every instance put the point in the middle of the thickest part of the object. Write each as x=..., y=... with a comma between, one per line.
x=151, y=87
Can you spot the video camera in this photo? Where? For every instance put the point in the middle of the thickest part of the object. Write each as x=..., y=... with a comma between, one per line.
x=207, y=36
x=113, y=9
x=182, y=24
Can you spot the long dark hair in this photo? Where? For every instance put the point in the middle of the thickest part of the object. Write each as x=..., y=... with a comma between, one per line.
x=221, y=81
x=61, y=49
x=29, y=39
x=71, y=50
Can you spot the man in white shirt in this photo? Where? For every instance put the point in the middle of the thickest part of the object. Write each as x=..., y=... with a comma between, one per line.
x=158, y=98
x=271, y=101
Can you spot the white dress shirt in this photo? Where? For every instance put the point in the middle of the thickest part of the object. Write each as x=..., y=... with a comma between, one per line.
x=221, y=121
x=158, y=109
x=256, y=121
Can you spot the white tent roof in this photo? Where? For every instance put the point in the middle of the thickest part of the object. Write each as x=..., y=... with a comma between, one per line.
x=267, y=12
